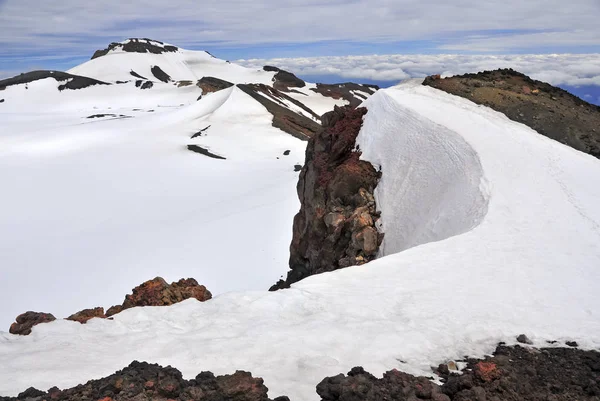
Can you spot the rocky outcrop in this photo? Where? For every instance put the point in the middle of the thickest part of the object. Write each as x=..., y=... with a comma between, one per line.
x=551, y=111
x=157, y=292
x=212, y=84
x=512, y=374
x=24, y=322
x=284, y=80
x=160, y=74
x=142, y=381
x=73, y=81
x=353, y=93
x=87, y=314
x=336, y=225
x=137, y=46
x=273, y=100
x=205, y=152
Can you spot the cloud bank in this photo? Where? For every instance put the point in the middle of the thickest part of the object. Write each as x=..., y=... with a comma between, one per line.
x=556, y=69
x=78, y=27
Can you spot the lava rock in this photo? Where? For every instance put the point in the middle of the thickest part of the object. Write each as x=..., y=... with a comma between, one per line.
x=160, y=74
x=212, y=84
x=84, y=315
x=523, y=339
x=25, y=322
x=157, y=292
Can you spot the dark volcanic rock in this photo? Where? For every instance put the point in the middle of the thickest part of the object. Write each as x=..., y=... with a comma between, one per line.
x=512, y=374
x=335, y=227
x=205, y=152
x=283, y=118
x=27, y=320
x=135, y=74
x=146, y=85
x=284, y=80
x=345, y=91
x=551, y=111
x=160, y=74
x=212, y=84
x=270, y=68
x=87, y=314
x=138, y=46
x=73, y=81
x=141, y=381
x=157, y=292
x=1, y=100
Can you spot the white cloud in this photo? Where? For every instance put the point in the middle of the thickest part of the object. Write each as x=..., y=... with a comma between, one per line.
x=33, y=25
x=557, y=69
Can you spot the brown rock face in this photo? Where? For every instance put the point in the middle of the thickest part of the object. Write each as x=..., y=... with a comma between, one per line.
x=551, y=111
x=87, y=314
x=348, y=91
x=27, y=320
x=157, y=292
x=335, y=227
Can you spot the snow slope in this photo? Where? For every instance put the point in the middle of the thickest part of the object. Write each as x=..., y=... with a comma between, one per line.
x=526, y=261
x=93, y=207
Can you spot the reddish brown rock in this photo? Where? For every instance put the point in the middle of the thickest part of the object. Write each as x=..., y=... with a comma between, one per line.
x=158, y=292
x=212, y=84
x=335, y=227
x=27, y=320
x=87, y=314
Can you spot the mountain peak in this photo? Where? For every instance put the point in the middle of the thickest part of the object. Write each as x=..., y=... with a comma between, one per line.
x=137, y=45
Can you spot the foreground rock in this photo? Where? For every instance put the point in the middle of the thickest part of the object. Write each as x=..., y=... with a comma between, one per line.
x=141, y=381
x=550, y=111
x=158, y=292
x=512, y=374
x=24, y=322
x=336, y=225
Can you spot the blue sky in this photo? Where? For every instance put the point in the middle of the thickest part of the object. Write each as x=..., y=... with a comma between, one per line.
x=59, y=35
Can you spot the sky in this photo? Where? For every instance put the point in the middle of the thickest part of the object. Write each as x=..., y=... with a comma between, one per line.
x=60, y=35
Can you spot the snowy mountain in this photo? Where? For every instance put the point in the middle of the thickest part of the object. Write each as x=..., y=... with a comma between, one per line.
x=491, y=230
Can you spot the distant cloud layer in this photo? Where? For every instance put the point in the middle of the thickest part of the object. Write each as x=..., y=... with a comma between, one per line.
x=77, y=27
x=562, y=69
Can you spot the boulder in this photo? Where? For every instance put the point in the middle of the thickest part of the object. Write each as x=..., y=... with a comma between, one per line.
x=87, y=314
x=157, y=292
x=27, y=320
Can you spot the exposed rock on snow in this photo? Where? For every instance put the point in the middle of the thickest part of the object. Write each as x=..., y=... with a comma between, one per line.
x=335, y=227
x=157, y=292
x=87, y=314
x=160, y=74
x=355, y=94
x=284, y=80
x=302, y=124
x=135, y=74
x=513, y=373
x=212, y=84
x=137, y=46
x=551, y=111
x=142, y=381
x=73, y=81
x=203, y=151
x=27, y=320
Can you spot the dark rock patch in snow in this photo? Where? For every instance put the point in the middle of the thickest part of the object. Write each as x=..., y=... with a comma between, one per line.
x=551, y=111
x=157, y=292
x=73, y=81
x=199, y=133
x=108, y=115
x=284, y=80
x=143, y=85
x=512, y=374
x=84, y=315
x=212, y=84
x=24, y=322
x=135, y=45
x=336, y=225
x=143, y=381
x=345, y=91
x=270, y=68
x=135, y=74
x=297, y=167
x=205, y=152
x=160, y=74
x=1, y=100
x=286, y=153
x=288, y=121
